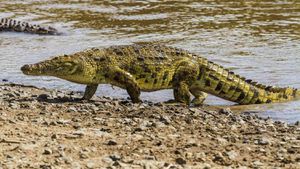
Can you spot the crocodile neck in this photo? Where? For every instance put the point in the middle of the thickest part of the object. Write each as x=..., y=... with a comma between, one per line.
x=221, y=82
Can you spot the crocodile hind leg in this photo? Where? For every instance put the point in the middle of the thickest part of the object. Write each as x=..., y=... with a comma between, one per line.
x=199, y=97
x=183, y=78
x=90, y=90
x=125, y=80
x=182, y=94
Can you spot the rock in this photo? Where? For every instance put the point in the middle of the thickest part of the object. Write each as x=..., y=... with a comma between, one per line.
x=218, y=158
x=261, y=150
x=14, y=105
x=112, y=143
x=62, y=121
x=90, y=165
x=47, y=151
x=291, y=150
x=221, y=140
x=54, y=136
x=257, y=163
x=165, y=119
x=282, y=150
x=189, y=155
x=72, y=109
x=77, y=126
x=43, y=97
x=79, y=133
x=232, y=155
x=83, y=155
x=180, y=161
x=262, y=141
x=115, y=157
x=226, y=111
x=107, y=160
x=200, y=156
x=45, y=166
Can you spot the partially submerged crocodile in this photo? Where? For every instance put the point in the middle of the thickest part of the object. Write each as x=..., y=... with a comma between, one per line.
x=149, y=67
x=18, y=26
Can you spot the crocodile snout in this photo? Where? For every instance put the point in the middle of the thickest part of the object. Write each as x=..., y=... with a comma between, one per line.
x=31, y=69
x=25, y=69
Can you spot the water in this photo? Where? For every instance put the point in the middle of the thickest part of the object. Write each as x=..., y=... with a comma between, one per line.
x=258, y=40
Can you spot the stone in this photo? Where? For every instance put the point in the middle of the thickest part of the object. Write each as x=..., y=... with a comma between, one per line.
x=226, y=111
x=232, y=155
x=263, y=141
x=83, y=155
x=180, y=161
x=47, y=151
x=257, y=163
x=90, y=165
x=112, y=143
x=43, y=97
x=115, y=157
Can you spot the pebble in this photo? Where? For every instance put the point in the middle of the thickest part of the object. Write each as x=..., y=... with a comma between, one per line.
x=112, y=143
x=45, y=166
x=83, y=155
x=115, y=157
x=221, y=140
x=165, y=119
x=180, y=161
x=47, y=151
x=72, y=109
x=107, y=160
x=226, y=111
x=90, y=165
x=43, y=97
x=232, y=155
x=257, y=163
x=262, y=141
x=54, y=136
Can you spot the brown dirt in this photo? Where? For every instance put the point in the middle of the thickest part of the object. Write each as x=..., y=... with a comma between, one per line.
x=52, y=129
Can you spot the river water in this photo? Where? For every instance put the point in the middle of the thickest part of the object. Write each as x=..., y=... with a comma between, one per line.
x=257, y=39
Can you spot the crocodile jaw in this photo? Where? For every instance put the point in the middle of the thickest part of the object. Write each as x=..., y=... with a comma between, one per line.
x=33, y=70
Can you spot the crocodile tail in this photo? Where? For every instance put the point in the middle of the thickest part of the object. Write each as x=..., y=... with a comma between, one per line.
x=266, y=94
x=18, y=26
x=279, y=94
x=221, y=82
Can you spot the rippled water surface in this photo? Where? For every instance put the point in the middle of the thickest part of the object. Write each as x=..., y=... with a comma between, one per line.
x=257, y=39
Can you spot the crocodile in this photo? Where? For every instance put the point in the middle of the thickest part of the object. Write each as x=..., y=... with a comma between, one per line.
x=151, y=67
x=7, y=24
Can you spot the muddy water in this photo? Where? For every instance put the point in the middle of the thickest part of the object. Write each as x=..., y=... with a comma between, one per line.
x=258, y=40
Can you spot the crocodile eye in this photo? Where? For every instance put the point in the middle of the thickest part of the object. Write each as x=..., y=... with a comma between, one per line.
x=68, y=64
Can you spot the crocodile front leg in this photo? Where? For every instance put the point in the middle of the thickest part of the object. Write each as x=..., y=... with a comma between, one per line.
x=125, y=80
x=200, y=96
x=90, y=90
x=183, y=78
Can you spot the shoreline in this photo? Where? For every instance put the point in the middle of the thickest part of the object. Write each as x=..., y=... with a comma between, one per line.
x=44, y=128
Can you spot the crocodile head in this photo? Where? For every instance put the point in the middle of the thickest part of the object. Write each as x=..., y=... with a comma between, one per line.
x=71, y=68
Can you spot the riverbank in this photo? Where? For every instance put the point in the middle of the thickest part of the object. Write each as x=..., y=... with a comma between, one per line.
x=43, y=128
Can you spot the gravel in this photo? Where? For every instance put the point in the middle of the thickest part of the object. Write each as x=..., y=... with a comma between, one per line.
x=43, y=128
